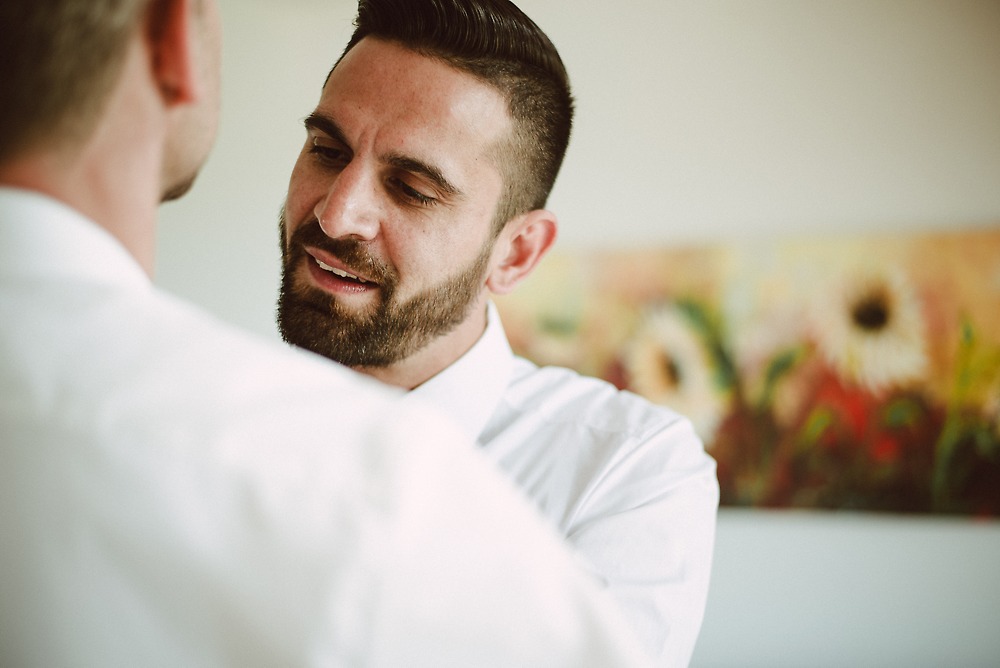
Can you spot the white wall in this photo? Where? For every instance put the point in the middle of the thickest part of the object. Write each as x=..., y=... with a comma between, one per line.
x=699, y=121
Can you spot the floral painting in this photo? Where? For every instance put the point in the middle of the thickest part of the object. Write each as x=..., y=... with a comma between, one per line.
x=836, y=373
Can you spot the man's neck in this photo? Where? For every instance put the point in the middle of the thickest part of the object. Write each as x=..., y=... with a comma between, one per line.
x=113, y=174
x=117, y=205
x=435, y=357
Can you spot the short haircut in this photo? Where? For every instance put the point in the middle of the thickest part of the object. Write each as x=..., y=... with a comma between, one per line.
x=498, y=44
x=59, y=61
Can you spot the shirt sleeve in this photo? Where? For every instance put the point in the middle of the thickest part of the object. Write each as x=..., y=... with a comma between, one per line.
x=647, y=528
x=459, y=578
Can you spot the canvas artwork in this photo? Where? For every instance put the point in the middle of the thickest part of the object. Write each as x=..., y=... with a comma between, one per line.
x=839, y=373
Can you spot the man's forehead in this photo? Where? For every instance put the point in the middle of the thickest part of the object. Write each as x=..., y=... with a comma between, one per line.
x=387, y=72
x=412, y=106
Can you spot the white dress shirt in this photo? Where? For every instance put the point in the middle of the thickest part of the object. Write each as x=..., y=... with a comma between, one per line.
x=628, y=483
x=176, y=493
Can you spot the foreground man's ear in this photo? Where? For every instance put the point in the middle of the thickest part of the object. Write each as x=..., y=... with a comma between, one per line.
x=170, y=39
x=521, y=246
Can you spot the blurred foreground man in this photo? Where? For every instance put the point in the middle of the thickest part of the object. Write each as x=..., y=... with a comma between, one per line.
x=419, y=193
x=175, y=493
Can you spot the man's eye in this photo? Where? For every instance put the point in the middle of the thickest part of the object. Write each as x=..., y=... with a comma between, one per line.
x=330, y=153
x=413, y=195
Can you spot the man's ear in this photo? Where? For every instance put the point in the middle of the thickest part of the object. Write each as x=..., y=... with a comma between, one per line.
x=169, y=26
x=523, y=242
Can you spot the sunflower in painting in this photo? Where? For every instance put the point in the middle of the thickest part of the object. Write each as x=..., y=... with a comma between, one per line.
x=871, y=330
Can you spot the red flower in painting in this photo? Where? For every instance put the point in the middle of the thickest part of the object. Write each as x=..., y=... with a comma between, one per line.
x=851, y=406
x=885, y=449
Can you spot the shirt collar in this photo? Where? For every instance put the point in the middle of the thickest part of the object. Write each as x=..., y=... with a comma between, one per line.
x=42, y=236
x=471, y=388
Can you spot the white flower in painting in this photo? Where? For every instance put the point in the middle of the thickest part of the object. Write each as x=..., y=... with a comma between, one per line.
x=667, y=363
x=872, y=331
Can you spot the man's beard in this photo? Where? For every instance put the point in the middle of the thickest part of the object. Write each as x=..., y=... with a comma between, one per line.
x=313, y=319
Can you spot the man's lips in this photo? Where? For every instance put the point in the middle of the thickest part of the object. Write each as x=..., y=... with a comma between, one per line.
x=339, y=272
x=332, y=275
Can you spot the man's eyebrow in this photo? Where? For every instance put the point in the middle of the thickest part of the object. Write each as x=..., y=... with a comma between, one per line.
x=326, y=125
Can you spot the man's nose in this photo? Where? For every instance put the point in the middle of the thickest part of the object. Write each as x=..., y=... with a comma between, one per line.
x=350, y=208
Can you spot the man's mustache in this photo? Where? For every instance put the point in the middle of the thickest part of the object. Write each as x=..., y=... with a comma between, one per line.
x=351, y=252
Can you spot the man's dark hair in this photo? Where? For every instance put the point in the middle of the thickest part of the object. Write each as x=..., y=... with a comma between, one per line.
x=497, y=43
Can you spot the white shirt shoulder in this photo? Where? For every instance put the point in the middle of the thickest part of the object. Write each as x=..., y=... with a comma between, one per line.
x=176, y=492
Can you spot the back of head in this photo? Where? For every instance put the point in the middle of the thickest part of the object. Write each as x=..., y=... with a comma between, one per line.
x=496, y=42
x=59, y=60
